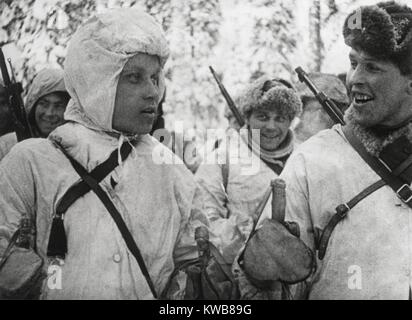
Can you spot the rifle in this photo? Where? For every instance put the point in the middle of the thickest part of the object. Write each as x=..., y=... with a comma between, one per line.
x=228, y=99
x=327, y=104
x=13, y=91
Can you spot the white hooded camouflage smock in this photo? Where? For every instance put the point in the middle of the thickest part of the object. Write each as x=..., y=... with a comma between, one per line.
x=234, y=180
x=369, y=255
x=156, y=201
x=47, y=81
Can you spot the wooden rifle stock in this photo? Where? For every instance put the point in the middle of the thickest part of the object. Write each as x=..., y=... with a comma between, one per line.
x=278, y=200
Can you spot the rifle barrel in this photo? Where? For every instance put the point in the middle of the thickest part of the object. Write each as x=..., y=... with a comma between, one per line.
x=328, y=105
x=14, y=89
x=4, y=71
x=228, y=99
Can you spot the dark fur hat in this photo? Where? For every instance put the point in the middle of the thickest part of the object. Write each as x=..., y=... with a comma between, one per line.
x=274, y=94
x=384, y=31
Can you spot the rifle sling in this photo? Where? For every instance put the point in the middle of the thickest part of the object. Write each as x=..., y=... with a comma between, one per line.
x=341, y=212
x=93, y=184
x=399, y=186
x=99, y=173
x=388, y=177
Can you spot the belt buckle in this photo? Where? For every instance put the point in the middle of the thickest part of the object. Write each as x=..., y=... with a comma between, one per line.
x=401, y=189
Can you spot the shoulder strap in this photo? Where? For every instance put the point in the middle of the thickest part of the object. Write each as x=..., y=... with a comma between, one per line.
x=99, y=173
x=389, y=177
x=9, y=248
x=57, y=245
x=401, y=188
x=341, y=212
x=115, y=214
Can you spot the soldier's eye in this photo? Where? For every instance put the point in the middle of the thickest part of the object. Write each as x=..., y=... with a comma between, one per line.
x=43, y=103
x=155, y=79
x=134, y=77
x=372, y=67
x=280, y=119
x=262, y=117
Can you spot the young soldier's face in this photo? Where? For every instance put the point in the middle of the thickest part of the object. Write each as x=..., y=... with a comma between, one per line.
x=49, y=111
x=273, y=127
x=137, y=95
x=378, y=91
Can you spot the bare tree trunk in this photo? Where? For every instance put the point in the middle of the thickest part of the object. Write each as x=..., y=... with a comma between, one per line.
x=315, y=35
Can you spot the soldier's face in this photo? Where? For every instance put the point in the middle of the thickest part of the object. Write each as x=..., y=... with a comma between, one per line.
x=378, y=91
x=137, y=95
x=49, y=111
x=273, y=127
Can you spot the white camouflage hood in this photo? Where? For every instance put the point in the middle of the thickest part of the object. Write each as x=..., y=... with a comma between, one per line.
x=96, y=56
x=47, y=81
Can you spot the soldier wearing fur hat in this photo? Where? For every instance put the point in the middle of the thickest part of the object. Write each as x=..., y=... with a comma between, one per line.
x=235, y=176
x=355, y=220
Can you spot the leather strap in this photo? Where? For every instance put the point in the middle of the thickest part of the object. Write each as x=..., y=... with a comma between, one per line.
x=403, y=166
x=10, y=246
x=398, y=185
x=389, y=177
x=99, y=173
x=341, y=212
x=115, y=214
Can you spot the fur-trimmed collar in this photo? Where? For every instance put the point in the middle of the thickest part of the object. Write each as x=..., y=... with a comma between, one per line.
x=374, y=143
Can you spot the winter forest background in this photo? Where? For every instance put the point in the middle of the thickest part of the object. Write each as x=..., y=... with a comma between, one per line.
x=241, y=39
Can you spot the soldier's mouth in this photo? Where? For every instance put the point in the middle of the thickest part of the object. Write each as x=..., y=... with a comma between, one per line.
x=361, y=98
x=49, y=123
x=270, y=136
x=149, y=111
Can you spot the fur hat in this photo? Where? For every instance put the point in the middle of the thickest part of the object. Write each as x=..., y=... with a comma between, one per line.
x=273, y=94
x=385, y=32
